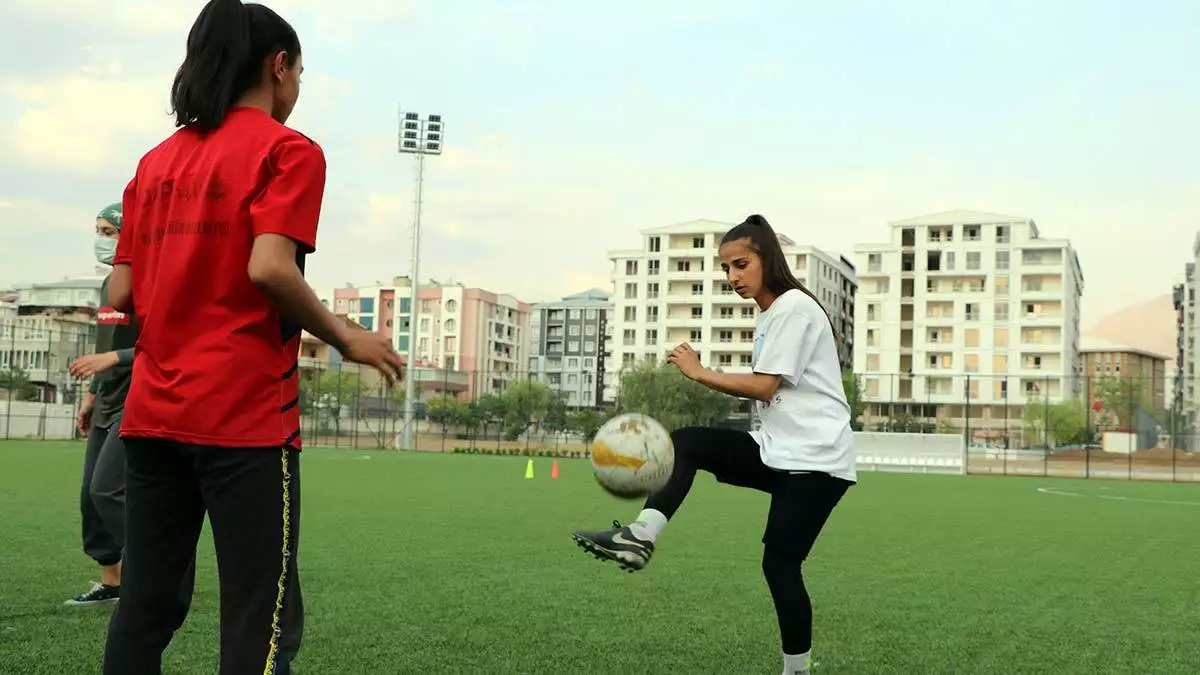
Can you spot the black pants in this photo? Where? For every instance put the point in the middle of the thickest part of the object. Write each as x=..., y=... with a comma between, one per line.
x=102, y=494
x=252, y=497
x=800, y=505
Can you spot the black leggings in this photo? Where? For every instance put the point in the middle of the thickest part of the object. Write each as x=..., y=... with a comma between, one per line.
x=800, y=505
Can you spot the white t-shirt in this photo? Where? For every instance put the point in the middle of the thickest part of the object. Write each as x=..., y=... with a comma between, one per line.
x=806, y=425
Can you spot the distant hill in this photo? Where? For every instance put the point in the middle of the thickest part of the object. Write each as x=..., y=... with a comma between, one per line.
x=1148, y=325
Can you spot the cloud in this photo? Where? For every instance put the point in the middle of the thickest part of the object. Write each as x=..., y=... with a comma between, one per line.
x=85, y=124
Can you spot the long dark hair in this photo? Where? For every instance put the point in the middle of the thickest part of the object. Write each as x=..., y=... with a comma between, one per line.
x=777, y=275
x=225, y=52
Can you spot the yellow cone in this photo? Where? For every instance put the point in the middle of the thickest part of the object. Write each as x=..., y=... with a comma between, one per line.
x=529, y=470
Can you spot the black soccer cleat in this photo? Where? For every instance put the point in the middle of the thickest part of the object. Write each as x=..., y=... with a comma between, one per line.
x=618, y=545
x=100, y=594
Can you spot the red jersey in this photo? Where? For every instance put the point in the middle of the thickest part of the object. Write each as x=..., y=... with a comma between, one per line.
x=216, y=364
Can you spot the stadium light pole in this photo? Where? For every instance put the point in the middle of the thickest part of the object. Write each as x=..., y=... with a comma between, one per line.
x=419, y=136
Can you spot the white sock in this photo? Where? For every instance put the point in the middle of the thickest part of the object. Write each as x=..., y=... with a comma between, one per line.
x=797, y=664
x=649, y=525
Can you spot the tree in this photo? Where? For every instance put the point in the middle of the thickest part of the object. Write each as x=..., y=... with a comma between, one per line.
x=1117, y=398
x=586, y=423
x=555, y=419
x=524, y=402
x=446, y=411
x=1057, y=423
x=853, y=385
x=16, y=382
x=487, y=410
x=663, y=393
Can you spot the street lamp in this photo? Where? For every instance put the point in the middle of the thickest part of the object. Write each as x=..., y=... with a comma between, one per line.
x=419, y=136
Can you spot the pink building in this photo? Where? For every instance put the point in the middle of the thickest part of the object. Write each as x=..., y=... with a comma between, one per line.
x=477, y=332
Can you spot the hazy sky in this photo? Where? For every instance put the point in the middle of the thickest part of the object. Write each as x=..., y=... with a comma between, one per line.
x=571, y=126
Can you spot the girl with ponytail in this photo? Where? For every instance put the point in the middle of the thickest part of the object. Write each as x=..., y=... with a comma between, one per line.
x=803, y=454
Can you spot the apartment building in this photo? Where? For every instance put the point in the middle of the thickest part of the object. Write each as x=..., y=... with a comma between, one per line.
x=48, y=326
x=1144, y=371
x=671, y=290
x=967, y=313
x=383, y=308
x=471, y=330
x=1184, y=394
x=568, y=339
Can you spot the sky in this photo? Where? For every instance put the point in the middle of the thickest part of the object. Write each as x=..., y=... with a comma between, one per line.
x=570, y=127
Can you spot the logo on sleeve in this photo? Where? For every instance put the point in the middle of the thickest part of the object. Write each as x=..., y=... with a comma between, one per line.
x=107, y=316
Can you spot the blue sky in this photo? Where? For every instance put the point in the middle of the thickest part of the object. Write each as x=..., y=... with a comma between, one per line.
x=571, y=126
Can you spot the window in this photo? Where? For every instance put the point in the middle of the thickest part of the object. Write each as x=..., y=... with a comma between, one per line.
x=875, y=262
x=872, y=363
x=652, y=267
x=655, y=246
x=631, y=268
x=652, y=314
x=573, y=329
x=631, y=313
x=652, y=291
x=725, y=359
x=422, y=347
x=971, y=337
x=366, y=305
x=589, y=329
x=1001, y=311
x=726, y=312
x=402, y=343
x=1001, y=285
x=697, y=242
x=573, y=346
x=747, y=336
x=972, y=311
x=630, y=291
x=974, y=260
x=451, y=305
x=1002, y=234
x=575, y=313
x=426, y=306
x=950, y=260
x=572, y=363
x=367, y=322
x=424, y=325
x=651, y=338
x=801, y=262
x=683, y=266
x=405, y=305
x=694, y=336
x=1002, y=260
x=872, y=335
x=874, y=313
x=745, y=360
x=1000, y=338
x=591, y=315
x=589, y=347
x=725, y=336
x=971, y=232
x=747, y=312
x=698, y=288
x=726, y=288
x=1000, y=365
x=697, y=312
x=449, y=325
x=589, y=363
x=630, y=337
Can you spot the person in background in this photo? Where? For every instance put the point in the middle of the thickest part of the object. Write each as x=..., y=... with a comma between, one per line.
x=102, y=497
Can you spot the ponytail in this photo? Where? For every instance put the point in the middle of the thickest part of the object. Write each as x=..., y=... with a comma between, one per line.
x=225, y=51
x=777, y=275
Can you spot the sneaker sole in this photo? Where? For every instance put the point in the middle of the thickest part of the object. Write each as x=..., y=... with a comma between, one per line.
x=89, y=603
x=627, y=561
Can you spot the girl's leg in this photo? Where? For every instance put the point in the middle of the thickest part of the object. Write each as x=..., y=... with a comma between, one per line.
x=800, y=506
x=731, y=456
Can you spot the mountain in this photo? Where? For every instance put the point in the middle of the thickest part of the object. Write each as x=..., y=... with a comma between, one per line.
x=1148, y=325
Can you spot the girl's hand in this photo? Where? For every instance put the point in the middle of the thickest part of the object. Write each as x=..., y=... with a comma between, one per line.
x=686, y=360
x=92, y=365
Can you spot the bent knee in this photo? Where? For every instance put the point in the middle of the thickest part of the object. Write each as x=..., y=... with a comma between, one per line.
x=777, y=562
x=688, y=439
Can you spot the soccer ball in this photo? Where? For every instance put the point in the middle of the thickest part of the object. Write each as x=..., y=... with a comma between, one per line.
x=632, y=456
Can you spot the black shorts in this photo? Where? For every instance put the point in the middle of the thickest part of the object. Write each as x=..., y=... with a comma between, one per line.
x=800, y=502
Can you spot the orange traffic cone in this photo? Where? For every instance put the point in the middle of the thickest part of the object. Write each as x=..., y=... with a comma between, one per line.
x=554, y=470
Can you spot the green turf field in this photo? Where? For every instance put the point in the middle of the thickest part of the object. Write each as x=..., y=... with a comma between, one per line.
x=415, y=563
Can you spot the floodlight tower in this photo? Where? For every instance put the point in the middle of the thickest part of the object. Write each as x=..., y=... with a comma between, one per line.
x=419, y=136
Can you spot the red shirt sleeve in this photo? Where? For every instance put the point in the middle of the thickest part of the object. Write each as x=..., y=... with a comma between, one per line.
x=290, y=205
x=124, y=254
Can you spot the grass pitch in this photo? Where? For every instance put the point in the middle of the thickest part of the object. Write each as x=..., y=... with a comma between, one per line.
x=418, y=563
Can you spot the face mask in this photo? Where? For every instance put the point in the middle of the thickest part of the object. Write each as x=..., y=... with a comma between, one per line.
x=106, y=248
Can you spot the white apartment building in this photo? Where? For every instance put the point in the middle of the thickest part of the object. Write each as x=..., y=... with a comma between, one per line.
x=671, y=290
x=568, y=338
x=50, y=325
x=967, y=311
